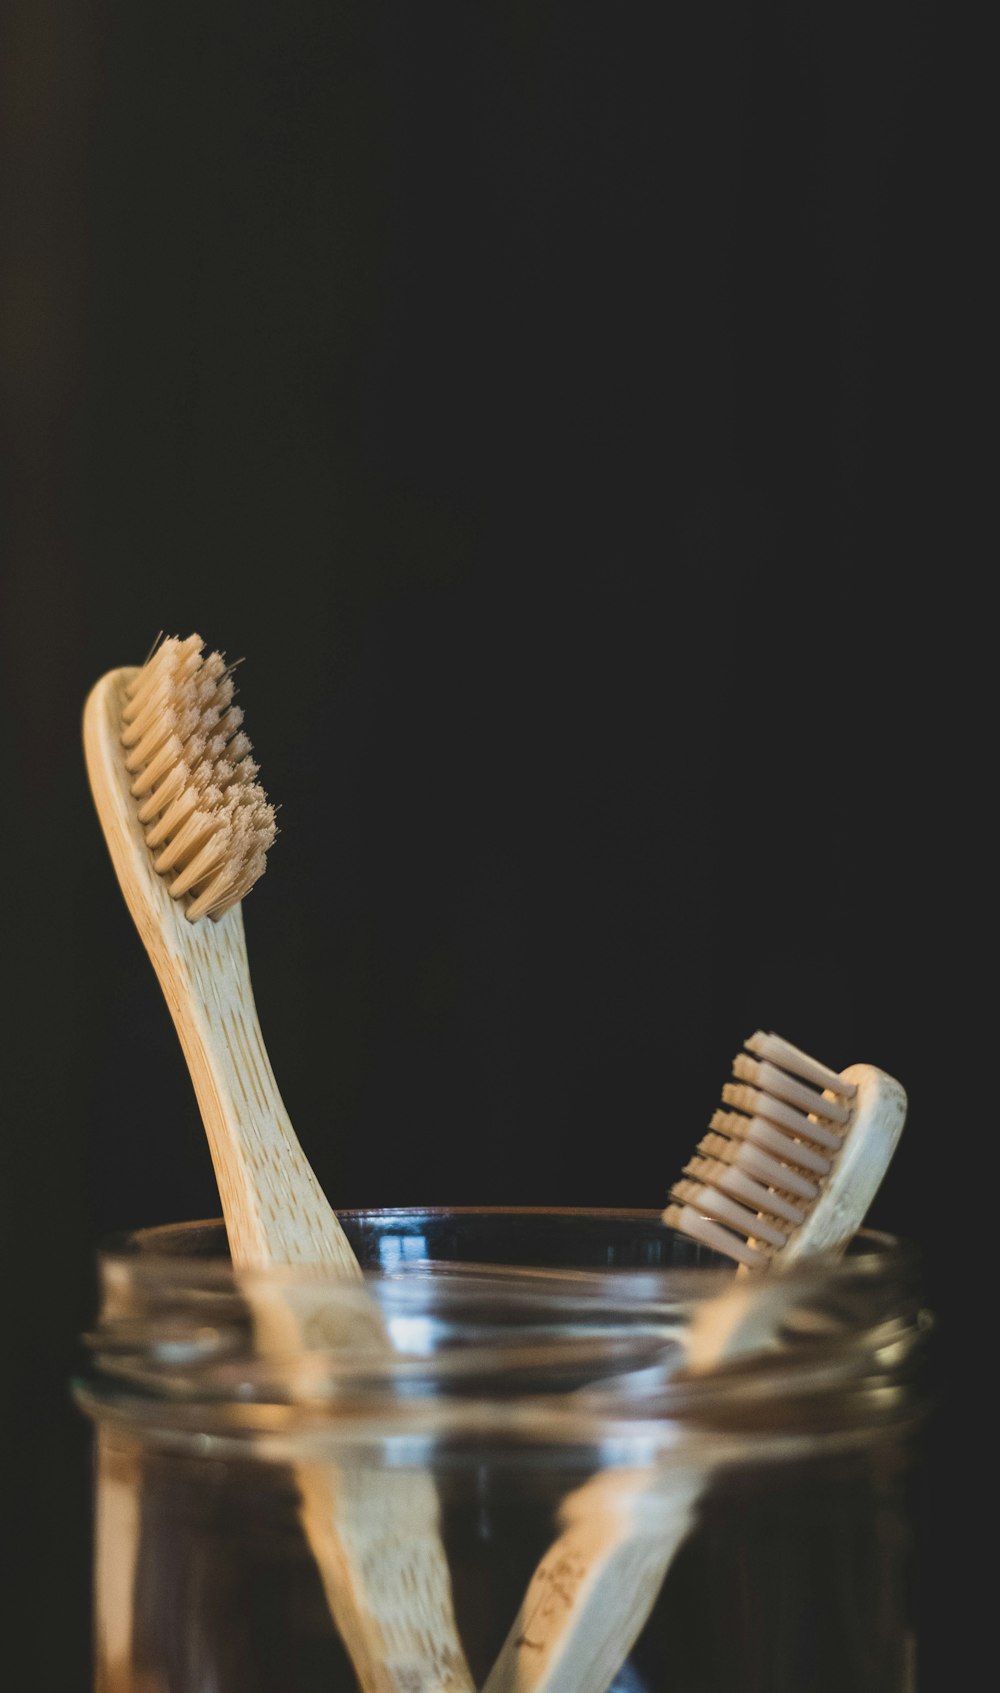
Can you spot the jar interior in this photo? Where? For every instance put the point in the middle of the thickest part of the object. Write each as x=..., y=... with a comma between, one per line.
x=534, y=1392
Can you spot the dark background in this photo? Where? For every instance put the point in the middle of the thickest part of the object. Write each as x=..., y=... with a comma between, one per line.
x=565, y=410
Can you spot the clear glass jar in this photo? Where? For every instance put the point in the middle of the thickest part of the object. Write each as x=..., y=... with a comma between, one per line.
x=563, y=1450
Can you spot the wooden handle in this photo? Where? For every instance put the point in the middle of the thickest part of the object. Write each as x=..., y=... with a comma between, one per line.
x=374, y=1535
x=275, y=1209
x=591, y=1595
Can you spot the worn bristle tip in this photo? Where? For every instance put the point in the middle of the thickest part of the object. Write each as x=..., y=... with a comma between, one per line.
x=206, y=819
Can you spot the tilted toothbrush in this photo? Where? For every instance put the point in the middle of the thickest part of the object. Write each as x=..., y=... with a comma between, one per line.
x=788, y=1169
x=188, y=829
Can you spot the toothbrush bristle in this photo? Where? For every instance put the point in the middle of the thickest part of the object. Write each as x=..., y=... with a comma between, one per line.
x=206, y=819
x=761, y=1169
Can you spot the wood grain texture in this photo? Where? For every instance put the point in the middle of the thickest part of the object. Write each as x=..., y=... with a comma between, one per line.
x=878, y=1116
x=275, y=1210
x=375, y=1535
x=592, y=1593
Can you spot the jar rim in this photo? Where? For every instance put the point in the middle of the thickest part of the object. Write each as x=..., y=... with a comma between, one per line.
x=194, y=1254
x=559, y=1353
x=163, y=1245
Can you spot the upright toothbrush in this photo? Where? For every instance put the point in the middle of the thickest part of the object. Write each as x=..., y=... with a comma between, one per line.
x=188, y=828
x=788, y=1169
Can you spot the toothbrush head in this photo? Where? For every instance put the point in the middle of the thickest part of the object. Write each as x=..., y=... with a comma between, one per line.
x=205, y=818
x=793, y=1161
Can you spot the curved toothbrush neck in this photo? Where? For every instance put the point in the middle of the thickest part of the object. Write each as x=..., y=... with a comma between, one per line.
x=274, y=1207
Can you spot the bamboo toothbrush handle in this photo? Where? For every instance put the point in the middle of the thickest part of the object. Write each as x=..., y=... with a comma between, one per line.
x=276, y=1212
x=275, y=1209
x=590, y=1597
x=374, y=1533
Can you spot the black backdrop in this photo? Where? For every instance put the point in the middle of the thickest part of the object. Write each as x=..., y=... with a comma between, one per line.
x=562, y=409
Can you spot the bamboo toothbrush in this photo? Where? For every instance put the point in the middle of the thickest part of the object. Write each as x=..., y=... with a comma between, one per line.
x=794, y=1163
x=188, y=828
x=788, y=1169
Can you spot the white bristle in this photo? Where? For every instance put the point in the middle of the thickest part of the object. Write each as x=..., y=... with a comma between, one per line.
x=207, y=822
x=774, y=1082
x=734, y=1180
x=725, y=1210
x=757, y=1162
x=772, y=1139
x=756, y=1102
x=799, y=1063
x=686, y=1220
x=761, y=1172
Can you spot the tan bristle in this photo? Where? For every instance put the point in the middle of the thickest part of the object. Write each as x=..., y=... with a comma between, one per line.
x=182, y=847
x=227, y=773
x=207, y=822
x=171, y=753
x=170, y=820
x=151, y=706
x=158, y=798
x=172, y=659
x=238, y=750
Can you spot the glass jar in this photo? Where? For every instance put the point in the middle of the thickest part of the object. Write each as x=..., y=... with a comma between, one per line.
x=568, y=1451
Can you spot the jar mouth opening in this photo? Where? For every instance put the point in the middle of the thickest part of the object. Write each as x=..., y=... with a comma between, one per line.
x=546, y=1324
x=481, y=1278
x=623, y=1247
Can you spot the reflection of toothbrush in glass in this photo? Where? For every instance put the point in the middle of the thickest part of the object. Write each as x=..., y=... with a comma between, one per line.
x=788, y=1170
x=188, y=829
